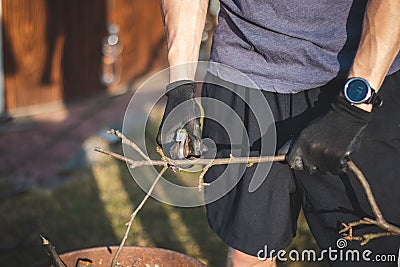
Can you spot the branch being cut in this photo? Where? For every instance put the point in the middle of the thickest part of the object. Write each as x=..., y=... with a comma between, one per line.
x=184, y=162
x=347, y=231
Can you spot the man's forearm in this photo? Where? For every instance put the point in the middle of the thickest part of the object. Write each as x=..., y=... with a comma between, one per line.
x=380, y=43
x=184, y=23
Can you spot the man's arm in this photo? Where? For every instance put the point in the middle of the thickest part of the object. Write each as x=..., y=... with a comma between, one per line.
x=184, y=23
x=318, y=148
x=379, y=45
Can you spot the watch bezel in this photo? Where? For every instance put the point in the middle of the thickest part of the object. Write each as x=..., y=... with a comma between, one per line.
x=346, y=87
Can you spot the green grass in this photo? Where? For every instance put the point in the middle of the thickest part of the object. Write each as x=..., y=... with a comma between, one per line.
x=91, y=210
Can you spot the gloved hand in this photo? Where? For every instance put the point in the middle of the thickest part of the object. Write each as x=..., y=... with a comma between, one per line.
x=186, y=116
x=326, y=143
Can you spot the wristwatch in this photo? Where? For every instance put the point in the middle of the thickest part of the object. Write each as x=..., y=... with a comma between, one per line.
x=357, y=90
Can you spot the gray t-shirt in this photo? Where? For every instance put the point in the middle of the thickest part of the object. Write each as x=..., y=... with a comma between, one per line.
x=288, y=46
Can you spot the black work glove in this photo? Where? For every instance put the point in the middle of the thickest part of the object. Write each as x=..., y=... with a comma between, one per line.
x=326, y=143
x=186, y=116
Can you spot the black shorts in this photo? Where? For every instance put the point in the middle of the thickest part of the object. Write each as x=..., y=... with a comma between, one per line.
x=249, y=221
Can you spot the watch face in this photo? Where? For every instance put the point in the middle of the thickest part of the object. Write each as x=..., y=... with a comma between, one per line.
x=357, y=91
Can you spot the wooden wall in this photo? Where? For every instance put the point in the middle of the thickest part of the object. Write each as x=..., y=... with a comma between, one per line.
x=52, y=48
x=142, y=35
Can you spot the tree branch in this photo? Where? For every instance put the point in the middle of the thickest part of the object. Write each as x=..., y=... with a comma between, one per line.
x=127, y=141
x=51, y=251
x=379, y=220
x=347, y=230
x=367, y=189
x=114, y=262
x=184, y=162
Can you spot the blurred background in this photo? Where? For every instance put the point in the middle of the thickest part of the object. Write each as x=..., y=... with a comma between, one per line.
x=68, y=69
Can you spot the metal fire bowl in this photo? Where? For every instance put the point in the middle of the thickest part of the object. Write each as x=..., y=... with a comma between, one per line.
x=130, y=257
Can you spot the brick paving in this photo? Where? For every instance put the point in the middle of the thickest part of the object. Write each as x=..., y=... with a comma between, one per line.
x=34, y=149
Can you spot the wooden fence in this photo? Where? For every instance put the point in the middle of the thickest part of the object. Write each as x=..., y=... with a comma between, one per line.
x=52, y=48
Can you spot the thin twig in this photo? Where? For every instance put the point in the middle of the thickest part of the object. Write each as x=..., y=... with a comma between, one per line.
x=127, y=141
x=368, y=237
x=161, y=152
x=379, y=220
x=135, y=212
x=201, y=176
x=114, y=155
x=347, y=231
x=51, y=251
x=367, y=189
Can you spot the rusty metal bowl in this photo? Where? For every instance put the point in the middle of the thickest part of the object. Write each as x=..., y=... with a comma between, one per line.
x=130, y=257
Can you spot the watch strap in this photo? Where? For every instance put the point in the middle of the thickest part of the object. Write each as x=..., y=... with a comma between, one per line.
x=375, y=99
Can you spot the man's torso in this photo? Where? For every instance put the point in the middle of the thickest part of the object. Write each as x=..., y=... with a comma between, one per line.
x=289, y=46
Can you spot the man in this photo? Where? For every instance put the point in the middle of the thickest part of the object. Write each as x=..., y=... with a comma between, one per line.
x=323, y=67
